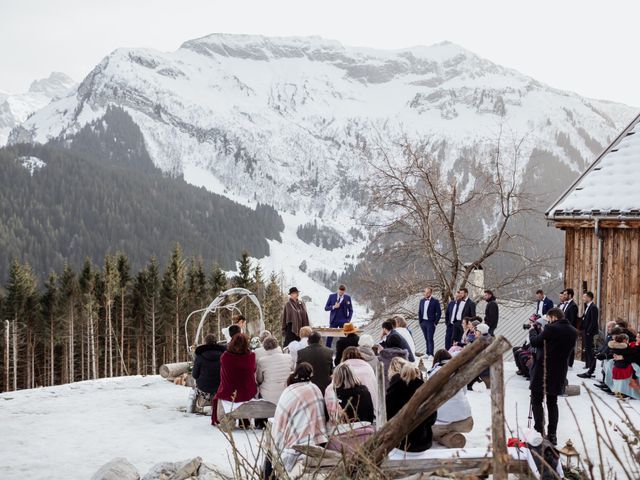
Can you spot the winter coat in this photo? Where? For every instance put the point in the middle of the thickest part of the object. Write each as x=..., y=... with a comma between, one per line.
x=321, y=359
x=491, y=313
x=555, y=341
x=260, y=351
x=370, y=357
x=206, y=367
x=398, y=394
x=237, y=380
x=406, y=334
x=365, y=375
x=343, y=343
x=295, y=313
x=356, y=404
x=386, y=356
x=396, y=340
x=273, y=369
x=457, y=408
x=622, y=369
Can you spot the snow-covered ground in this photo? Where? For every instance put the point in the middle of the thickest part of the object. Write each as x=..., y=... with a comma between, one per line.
x=69, y=431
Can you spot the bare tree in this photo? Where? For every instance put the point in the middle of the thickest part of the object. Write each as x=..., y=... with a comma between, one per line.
x=437, y=225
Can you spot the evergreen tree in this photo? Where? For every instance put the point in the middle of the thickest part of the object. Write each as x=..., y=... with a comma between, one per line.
x=68, y=288
x=152, y=301
x=20, y=308
x=273, y=305
x=50, y=304
x=244, y=279
x=173, y=294
x=217, y=281
x=123, y=289
x=87, y=284
x=111, y=288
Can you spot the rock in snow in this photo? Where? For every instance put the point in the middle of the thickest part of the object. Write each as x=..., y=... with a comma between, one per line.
x=117, y=469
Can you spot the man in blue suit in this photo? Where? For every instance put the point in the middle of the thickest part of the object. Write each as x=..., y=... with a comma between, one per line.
x=339, y=304
x=544, y=303
x=429, y=314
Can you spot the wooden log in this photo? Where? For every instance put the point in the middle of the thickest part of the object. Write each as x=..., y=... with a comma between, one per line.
x=173, y=370
x=254, y=409
x=381, y=414
x=498, y=438
x=421, y=405
x=463, y=426
x=451, y=440
x=432, y=466
x=572, y=390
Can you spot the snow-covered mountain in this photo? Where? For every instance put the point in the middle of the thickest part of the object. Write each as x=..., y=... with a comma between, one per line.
x=15, y=108
x=283, y=120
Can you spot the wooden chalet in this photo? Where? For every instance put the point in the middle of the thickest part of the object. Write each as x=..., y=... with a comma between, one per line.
x=600, y=214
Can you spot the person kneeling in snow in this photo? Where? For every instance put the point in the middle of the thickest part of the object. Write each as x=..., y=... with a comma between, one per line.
x=206, y=370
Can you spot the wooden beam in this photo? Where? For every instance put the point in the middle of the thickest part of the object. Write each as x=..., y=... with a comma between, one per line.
x=381, y=414
x=498, y=438
x=443, y=385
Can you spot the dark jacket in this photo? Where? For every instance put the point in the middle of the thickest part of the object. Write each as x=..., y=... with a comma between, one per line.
x=547, y=304
x=571, y=313
x=395, y=340
x=557, y=341
x=356, y=403
x=448, y=316
x=206, y=367
x=398, y=394
x=590, y=321
x=491, y=313
x=469, y=309
x=320, y=358
x=350, y=340
x=387, y=355
x=434, y=311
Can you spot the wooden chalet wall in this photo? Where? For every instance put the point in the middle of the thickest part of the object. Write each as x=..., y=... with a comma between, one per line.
x=620, y=296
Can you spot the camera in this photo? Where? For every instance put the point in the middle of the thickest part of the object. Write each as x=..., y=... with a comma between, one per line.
x=532, y=322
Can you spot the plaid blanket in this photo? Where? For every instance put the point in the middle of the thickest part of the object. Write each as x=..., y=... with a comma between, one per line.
x=299, y=419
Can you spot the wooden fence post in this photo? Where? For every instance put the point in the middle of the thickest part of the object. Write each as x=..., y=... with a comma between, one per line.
x=381, y=414
x=498, y=439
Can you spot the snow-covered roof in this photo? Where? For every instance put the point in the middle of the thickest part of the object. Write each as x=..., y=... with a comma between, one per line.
x=611, y=185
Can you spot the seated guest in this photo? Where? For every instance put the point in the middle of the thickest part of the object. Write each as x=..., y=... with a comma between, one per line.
x=482, y=330
x=273, y=370
x=454, y=412
x=347, y=399
x=299, y=417
x=388, y=333
x=401, y=388
x=321, y=360
x=365, y=347
x=469, y=325
x=350, y=339
x=297, y=345
x=403, y=329
x=362, y=371
x=392, y=350
x=237, y=375
x=604, y=354
x=259, y=351
x=206, y=368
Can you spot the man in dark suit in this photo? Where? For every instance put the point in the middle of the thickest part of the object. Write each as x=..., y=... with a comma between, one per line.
x=320, y=358
x=543, y=304
x=590, y=328
x=448, y=320
x=339, y=304
x=553, y=344
x=429, y=314
x=570, y=310
x=491, y=311
x=465, y=307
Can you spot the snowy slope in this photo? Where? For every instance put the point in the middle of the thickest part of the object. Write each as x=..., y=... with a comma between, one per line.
x=69, y=431
x=15, y=108
x=284, y=120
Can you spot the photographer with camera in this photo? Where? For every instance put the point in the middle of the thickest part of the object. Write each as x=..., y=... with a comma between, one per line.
x=553, y=343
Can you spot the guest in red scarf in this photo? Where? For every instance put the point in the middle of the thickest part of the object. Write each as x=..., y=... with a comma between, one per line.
x=237, y=374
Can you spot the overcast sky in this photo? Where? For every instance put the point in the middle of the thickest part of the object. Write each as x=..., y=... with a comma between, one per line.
x=589, y=47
